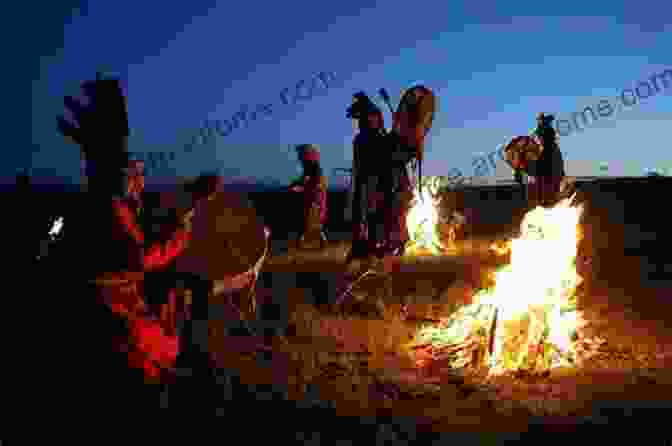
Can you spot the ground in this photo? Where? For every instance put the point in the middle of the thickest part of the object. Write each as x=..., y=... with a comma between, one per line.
x=359, y=363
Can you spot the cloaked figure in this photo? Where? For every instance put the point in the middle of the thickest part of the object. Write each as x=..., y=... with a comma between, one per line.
x=411, y=124
x=141, y=286
x=113, y=251
x=313, y=185
x=370, y=150
x=153, y=343
x=545, y=173
x=109, y=244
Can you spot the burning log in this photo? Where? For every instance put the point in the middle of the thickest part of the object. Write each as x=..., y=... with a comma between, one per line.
x=527, y=321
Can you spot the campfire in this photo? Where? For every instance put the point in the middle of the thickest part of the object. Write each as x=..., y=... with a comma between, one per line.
x=527, y=320
x=422, y=220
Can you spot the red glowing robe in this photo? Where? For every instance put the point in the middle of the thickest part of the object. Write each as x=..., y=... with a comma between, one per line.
x=145, y=258
x=151, y=342
x=315, y=201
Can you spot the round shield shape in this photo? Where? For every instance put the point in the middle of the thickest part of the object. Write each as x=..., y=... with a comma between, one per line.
x=228, y=238
x=520, y=150
x=415, y=116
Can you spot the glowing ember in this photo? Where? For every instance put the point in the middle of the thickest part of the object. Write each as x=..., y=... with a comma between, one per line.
x=423, y=219
x=528, y=319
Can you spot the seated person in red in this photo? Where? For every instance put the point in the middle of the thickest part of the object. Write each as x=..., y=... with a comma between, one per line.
x=153, y=342
x=108, y=258
x=158, y=340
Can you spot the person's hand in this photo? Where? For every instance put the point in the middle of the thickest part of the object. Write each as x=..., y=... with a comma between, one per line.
x=233, y=283
x=413, y=164
x=100, y=126
x=186, y=220
x=241, y=280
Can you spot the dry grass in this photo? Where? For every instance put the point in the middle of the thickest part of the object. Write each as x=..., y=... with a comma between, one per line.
x=351, y=357
x=354, y=359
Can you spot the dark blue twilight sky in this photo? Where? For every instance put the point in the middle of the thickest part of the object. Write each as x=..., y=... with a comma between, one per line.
x=492, y=65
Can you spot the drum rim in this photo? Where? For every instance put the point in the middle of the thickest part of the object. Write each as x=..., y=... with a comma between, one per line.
x=426, y=96
x=200, y=243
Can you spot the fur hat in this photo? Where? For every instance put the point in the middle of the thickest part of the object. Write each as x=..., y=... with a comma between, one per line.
x=361, y=106
x=545, y=118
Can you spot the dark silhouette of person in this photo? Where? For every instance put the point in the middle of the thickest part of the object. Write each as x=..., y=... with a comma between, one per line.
x=124, y=345
x=369, y=149
x=547, y=172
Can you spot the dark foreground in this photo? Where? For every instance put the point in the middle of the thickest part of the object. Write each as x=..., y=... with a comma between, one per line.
x=626, y=238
